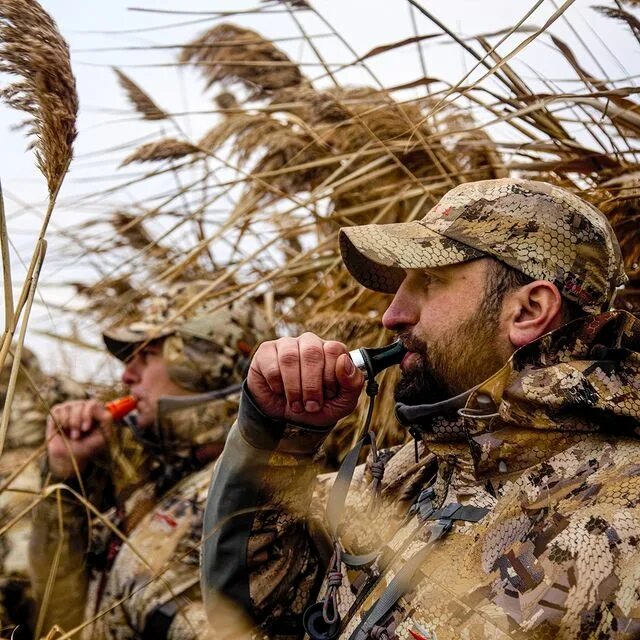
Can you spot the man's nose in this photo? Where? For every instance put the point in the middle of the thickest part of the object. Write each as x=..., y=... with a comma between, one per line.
x=401, y=313
x=130, y=373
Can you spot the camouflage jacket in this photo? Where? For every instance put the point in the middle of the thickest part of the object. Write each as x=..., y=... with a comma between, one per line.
x=127, y=567
x=546, y=450
x=35, y=392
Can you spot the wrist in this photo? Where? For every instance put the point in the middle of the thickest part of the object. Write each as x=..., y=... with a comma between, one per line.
x=50, y=475
x=62, y=470
x=266, y=433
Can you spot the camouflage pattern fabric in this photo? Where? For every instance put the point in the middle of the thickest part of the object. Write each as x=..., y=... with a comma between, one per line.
x=119, y=586
x=539, y=229
x=148, y=487
x=156, y=567
x=549, y=445
x=35, y=393
x=206, y=346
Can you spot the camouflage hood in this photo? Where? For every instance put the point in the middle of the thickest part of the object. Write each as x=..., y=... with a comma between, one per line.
x=189, y=426
x=582, y=378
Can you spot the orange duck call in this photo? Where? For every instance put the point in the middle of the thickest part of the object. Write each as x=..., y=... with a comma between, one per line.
x=120, y=407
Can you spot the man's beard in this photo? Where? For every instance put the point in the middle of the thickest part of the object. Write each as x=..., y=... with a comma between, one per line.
x=451, y=366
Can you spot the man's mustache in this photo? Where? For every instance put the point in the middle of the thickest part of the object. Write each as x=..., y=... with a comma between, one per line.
x=413, y=344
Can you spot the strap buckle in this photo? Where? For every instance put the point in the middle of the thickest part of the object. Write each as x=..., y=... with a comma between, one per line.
x=441, y=527
x=423, y=507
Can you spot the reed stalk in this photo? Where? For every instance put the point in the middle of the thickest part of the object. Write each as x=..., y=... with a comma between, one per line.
x=40, y=252
x=7, y=284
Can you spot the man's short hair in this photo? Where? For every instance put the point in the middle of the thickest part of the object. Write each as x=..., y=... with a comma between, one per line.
x=503, y=279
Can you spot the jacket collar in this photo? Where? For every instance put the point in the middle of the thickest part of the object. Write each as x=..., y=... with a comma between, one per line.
x=190, y=426
x=582, y=378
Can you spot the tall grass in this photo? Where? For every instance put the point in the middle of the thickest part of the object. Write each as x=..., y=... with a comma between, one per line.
x=33, y=51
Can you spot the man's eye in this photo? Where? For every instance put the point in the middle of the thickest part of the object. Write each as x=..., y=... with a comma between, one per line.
x=145, y=354
x=433, y=278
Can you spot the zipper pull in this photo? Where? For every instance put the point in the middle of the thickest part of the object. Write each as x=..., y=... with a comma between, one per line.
x=415, y=434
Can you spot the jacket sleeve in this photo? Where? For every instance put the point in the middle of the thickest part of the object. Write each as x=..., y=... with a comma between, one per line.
x=57, y=560
x=258, y=550
x=58, y=551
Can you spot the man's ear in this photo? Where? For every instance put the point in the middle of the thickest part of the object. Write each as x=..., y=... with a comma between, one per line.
x=532, y=311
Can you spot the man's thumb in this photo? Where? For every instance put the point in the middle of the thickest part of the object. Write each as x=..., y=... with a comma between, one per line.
x=102, y=415
x=349, y=377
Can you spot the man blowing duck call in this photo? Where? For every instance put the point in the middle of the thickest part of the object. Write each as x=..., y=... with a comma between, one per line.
x=520, y=515
x=138, y=576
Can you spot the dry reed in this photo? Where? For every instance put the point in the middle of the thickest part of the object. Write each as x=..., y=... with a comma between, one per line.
x=230, y=43
x=166, y=149
x=141, y=102
x=620, y=14
x=15, y=367
x=6, y=267
x=32, y=48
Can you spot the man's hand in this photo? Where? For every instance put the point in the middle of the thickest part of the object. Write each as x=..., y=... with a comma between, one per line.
x=305, y=380
x=76, y=430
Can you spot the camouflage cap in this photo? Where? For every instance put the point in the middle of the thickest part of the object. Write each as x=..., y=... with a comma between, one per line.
x=205, y=347
x=546, y=232
x=155, y=317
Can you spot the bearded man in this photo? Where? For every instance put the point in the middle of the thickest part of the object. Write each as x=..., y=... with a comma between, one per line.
x=517, y=515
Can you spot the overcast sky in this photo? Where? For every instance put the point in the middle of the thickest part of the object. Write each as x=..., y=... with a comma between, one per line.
x=103, y=34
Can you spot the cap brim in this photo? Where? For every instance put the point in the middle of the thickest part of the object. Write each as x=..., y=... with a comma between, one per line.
x=377, y=255
x=122, y=343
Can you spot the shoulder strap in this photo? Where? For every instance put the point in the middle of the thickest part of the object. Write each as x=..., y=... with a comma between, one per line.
x=159, y=620
x=340, y=488
x=338, y=497
x=404, y=580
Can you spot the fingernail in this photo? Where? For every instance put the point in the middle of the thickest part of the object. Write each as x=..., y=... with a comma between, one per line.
x=75, y=434
x=312, y=406
x=296, y=406
x=349, y=367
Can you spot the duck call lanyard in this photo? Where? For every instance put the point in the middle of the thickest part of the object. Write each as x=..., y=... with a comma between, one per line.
x=321, y=620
